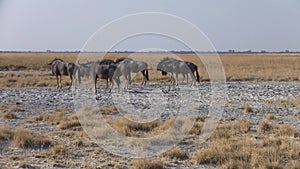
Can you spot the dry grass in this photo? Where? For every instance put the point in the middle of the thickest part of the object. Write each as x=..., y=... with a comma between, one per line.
x=135, y=129
x=6, y=133
x=52, y=118
x=225, y=131
x=198, y=125
x=147, y=164
x=23, y=138
x=237, y=66
x=58, y=149
x=291, y=102
x=270, y=117
x=244, y=151
x=70, y=122
x=57, y=117
x=265, y=127
x=26, y=139
x=177, y=153
x=247, y=109
x=10, y=115
x=281, y=130
x=8, y=110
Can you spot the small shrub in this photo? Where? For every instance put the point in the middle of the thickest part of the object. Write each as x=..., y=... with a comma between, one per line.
x=177, y=153
x=10, y=115
x=26, y=139
x=147, y=164
x=247, y=108
x=6, y=133
x=58, y=149
x=270, y=117
x=265, y=127
x=69, y=124
x=286, y=130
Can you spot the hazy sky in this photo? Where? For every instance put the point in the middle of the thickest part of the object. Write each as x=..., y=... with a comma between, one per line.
x=271, y=25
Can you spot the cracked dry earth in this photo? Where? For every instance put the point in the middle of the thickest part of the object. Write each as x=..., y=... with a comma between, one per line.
x=80, y=151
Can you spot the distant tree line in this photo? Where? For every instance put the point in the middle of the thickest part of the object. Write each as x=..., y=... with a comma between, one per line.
x=172, y=51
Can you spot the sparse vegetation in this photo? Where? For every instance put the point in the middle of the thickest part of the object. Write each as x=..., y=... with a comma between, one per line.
x=228, y=130
x=26, y=139
x=147, y=164
x=6, y=133
x=134, y=129
x=247, y=109
x=232, y=145
x=58, y=149
x=177, y=153
x=270, y=117
x=240, y=151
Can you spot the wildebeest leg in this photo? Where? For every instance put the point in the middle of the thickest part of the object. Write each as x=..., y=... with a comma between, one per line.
x=95, y=84
x=107, y=83
x=187, y=79
x=172, y=79
x=176, y=80
x=129, y=79
x=183, y=77
x=71, y=81
x=193, y=79
x=57, y=80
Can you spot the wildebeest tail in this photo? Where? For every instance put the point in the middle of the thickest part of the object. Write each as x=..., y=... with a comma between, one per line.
x=197, y=75
x=147, y=74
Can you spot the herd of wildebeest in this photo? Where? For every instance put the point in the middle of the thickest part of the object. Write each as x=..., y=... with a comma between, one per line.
x=111, y=71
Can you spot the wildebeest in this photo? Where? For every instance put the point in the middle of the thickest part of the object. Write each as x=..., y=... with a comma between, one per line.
x=177, y=66
x=126, y=66
x=60, y=68
x=104, y=69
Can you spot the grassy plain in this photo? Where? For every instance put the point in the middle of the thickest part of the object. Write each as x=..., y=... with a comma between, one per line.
x=236, y=143
x=31, y=69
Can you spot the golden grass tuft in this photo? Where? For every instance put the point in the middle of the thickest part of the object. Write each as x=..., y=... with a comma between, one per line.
x=293, y=164
x=7, y=111
x=69, y=122
x=147, y=164
x=270, y=117
x=198, y=125
x=58, y=149
x=10, y=115
x=53, y=118
x=237, y=150
x=231, y=129
x=177, y=153
x=135, y=129
x=108, y=110
x=265, y=127
x=6, y=133
x=247, y=109
x=286, y=130
x=26, y=139
x=57, y=117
